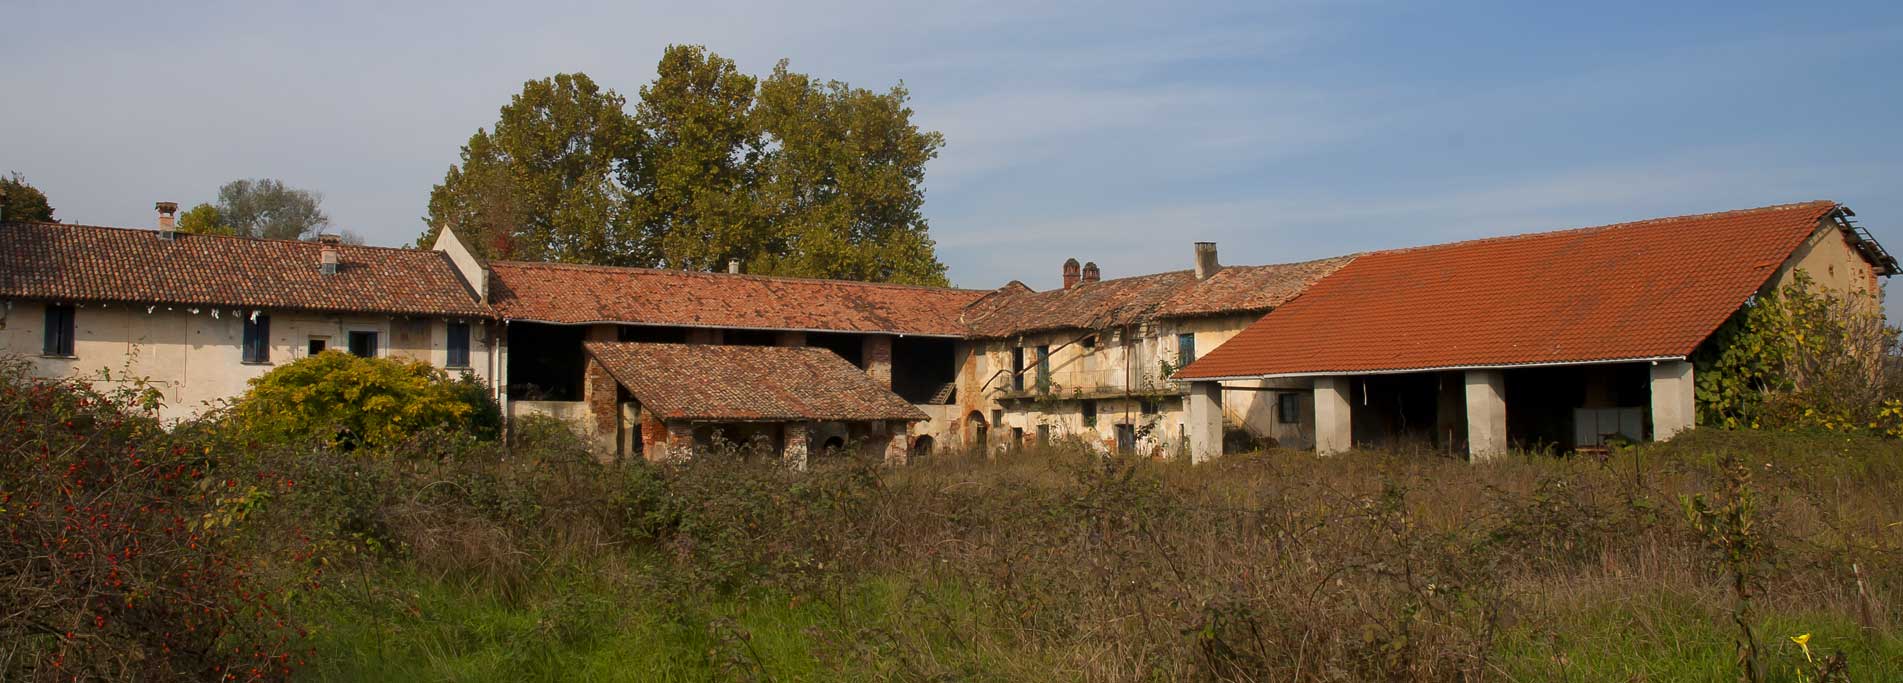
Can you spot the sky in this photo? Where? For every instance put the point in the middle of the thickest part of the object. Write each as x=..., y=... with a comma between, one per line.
x=1107, y=131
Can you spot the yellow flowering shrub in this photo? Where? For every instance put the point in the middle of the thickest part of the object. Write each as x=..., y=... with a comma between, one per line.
x=372, y=403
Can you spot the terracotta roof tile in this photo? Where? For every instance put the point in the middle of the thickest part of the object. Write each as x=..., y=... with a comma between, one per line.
x=81, y=263
x=1648, y=289
x=574, y=294
x=1139, y=299
x=748, y=383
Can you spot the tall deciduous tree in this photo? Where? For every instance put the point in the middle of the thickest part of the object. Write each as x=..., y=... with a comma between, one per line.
x=266, y=207
x=20, y=201
x=844, y=182
x=791, y=175
x=542, y=186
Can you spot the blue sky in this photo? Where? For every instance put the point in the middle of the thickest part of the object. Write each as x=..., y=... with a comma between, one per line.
x=1107, y=131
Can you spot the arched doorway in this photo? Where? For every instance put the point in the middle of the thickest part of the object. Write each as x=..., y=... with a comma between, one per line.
x=833, y=446
x=977, y=432
x=921, y=447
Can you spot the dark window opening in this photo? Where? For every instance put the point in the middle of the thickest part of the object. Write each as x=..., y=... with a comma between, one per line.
x=925, y=370
x=1147, y=406
x=1185, y=349
x=1090, y=343
x=849, y=346
x=1126, y=439
x=1288, y=408
x=257, y=338
x=1043, y=435
x=458, y=345
x=1043, y=369
x=1090, y=413
x=59, y=331
x=1017, y=369
x=1017, y=438
x=651, y=334
x=316, y=346
x=546, y=362
x=363, y=344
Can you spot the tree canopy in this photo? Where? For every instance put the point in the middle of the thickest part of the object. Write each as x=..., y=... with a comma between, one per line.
x=20, y=201
x=789, y=174
x=262, y=207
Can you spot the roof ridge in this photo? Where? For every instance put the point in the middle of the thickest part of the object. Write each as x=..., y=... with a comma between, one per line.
x=754, y=276
x=241, y=238
x=1608, y=226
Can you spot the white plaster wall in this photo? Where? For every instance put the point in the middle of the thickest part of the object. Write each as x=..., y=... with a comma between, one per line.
x=1831, y=263
x=194, y=358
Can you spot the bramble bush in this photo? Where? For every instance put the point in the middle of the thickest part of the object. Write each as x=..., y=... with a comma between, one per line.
x=116, y=562
x=374, y=403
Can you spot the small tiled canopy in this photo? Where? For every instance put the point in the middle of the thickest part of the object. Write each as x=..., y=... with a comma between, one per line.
x=705, y=383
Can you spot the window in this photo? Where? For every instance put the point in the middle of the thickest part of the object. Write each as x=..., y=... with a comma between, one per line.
x=459, y=345
x=1043, y=435
x=1288, y=408
x=1017, y=438
x=1185, y=349
x=317, y=346
x=59, y=331
x=1126, y=439
x=363, y=344
x=1017, y=369
x=1147, y=406
x=1043, y=368
x=1090, y=343
x=257, y=338
x=1090, y=413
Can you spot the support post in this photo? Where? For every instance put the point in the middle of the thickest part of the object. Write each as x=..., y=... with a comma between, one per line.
x=1674, y=405
x=797, y=437
x=1486, y=415
x=1204, y=421
x=898, y=448
x=1334, y=430
x=876, y=352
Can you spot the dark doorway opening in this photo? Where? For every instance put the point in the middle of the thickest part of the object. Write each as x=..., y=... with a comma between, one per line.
x=546, y=362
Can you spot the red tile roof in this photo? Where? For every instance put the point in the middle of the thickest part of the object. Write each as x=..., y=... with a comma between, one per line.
x=1139, y=299
x=82, y=263
x=748, y=383
x=1649, y=289
x=575, y=294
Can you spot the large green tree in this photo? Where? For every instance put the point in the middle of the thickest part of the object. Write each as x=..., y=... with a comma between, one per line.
x=260, y=207
x=790, y=174
x=20, y=201
x=542, y=185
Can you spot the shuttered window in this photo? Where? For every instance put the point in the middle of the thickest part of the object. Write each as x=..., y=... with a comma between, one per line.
x=257, y=338
x=59, y=331
x=459, y=345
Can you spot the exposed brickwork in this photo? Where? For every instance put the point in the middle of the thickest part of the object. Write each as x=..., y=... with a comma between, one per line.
x=63, y=262
x=654, y=435
x=876, y=352
x=601, y=392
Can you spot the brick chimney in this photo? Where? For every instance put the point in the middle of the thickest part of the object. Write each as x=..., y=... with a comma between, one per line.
x=1090, y=273
x=327, y=258
x=168, y=219
x=1206, y=260
x=1070, y=273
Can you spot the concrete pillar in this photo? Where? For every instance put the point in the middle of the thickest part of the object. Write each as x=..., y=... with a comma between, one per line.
x=1334, y=431
x=1674, y=408
x=798, y=438
x=1204, y=421
x=1486, y=414
x=789, y=338
x=876, y=352
x=898, y=447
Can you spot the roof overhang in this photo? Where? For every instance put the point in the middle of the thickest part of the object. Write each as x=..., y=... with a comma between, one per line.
x=934, y=335
x=1441, y=368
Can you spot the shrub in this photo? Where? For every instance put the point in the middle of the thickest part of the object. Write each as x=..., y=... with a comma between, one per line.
x=115, y=562
x=374, y=403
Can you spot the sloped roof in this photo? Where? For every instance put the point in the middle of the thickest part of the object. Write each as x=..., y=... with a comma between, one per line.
x=1649, y=289
x=577, y=294
x=1134, y=300
x=83, y=263
x=748, y=383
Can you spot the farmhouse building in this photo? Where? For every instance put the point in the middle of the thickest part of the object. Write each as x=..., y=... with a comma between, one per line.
x=1562, y=339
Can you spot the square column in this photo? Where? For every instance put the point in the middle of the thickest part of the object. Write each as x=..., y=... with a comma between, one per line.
x=1334, y=430
x=1204, y=421
x=876, y=352
x=1486, y=414
x=797, y=437
x=1674, y=408
x=898, y=448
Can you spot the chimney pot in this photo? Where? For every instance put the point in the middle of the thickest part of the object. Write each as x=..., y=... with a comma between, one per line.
x=733, y=266
x=1091, y=274
x=1071, y=275
x=1206, y=264
x=331, y=239
x=168, y=219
